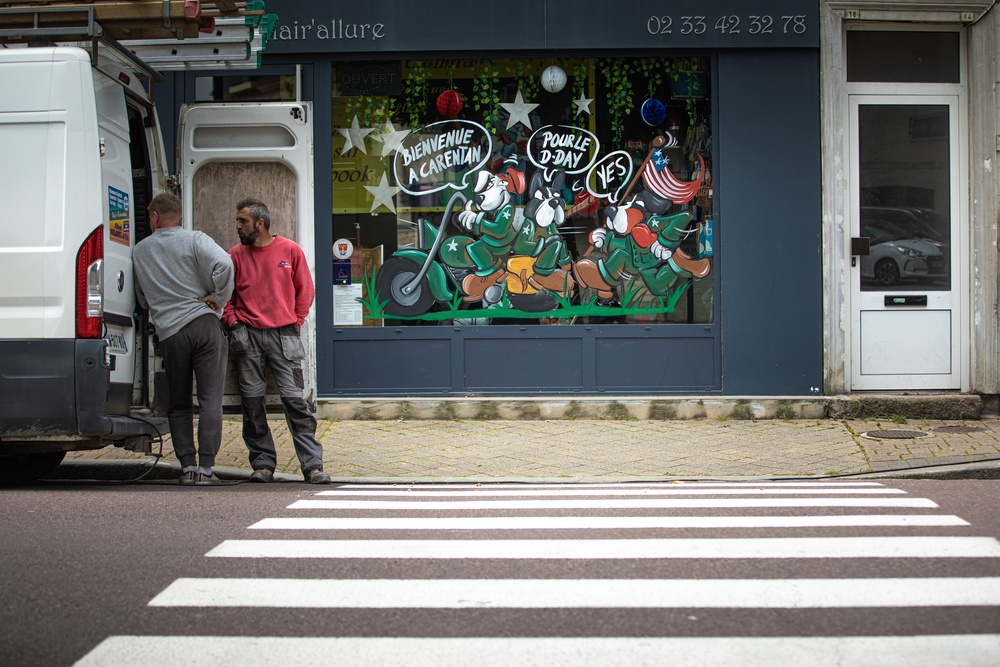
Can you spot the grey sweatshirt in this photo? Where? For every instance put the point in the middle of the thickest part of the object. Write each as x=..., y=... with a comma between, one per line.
x=173, y=269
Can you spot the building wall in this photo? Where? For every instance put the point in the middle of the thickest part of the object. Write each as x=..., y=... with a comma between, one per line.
x=980, y=20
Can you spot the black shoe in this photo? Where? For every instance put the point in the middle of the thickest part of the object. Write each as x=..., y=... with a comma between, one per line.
x=206, y=480
x=189, y=477
x=263, y=475
x=317, y=476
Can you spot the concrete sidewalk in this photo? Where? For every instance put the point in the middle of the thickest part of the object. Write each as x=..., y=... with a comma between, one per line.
x=625, y=449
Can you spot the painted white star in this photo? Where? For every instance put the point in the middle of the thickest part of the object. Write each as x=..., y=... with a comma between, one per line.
x=354, y=136
x=518, y=111
x=382, y=194
x=391, y=138
x=453, y=246
x=582, y=104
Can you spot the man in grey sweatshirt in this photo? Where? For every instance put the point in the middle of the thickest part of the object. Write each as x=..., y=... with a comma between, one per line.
x=183, y=278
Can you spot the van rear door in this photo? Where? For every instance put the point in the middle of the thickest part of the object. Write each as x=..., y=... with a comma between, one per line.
x=119, y=215
x=228, y=152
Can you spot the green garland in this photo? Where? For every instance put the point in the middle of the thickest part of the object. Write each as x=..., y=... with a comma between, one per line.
x=527, y=82
x=620, y=96
x=580, y=71
x=415, y=88
x=486, y=95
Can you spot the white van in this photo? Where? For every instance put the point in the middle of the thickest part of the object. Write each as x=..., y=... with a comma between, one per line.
x=81, y=155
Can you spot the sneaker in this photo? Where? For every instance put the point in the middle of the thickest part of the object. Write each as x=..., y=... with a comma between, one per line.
x=317, y=476
x=263, y=475
x=189, y=477
x=204, y=480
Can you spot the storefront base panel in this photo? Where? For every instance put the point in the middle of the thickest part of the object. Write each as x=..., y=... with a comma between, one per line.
x=950, y=406
x=524, y=360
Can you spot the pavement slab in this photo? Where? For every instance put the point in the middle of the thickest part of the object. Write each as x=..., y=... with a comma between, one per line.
x=578, y=449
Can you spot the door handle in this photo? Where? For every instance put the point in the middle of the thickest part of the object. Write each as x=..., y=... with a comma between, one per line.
x=860, y=245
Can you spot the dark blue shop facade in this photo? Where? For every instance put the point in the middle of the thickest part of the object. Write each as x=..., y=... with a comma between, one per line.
x=555, y=197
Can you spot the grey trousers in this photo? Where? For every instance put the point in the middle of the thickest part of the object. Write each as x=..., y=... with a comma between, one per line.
x=196, y=352
x=282, y=350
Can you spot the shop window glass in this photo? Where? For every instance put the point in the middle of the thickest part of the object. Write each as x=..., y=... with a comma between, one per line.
x=522, y=191
x=903, y=57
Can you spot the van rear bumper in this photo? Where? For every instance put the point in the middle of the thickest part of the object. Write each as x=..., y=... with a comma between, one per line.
x=55, y=388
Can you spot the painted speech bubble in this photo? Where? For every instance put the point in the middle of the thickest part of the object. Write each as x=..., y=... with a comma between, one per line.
x=555, y=148
x=609, y=177
x=428, y=161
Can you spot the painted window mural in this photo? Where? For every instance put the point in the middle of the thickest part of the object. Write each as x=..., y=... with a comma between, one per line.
x=523, y=191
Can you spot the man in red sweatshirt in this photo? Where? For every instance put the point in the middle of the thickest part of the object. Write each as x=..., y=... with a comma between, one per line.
x=271, y=299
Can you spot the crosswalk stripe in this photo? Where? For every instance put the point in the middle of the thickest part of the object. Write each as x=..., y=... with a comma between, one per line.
x=611, y=503
x=588, y=549
x=581, y=593
x=672, y=491
x=604, y=522
x=885, y=651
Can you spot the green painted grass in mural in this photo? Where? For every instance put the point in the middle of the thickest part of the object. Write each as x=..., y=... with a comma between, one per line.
x=566, y=310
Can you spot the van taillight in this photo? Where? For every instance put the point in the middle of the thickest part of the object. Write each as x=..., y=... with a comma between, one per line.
x=90, y=286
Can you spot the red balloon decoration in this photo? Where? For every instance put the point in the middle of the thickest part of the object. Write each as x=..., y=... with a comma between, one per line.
x=449, y=103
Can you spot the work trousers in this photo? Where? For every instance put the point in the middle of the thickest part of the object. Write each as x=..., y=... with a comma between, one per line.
x=198, y=352
x=281, y=349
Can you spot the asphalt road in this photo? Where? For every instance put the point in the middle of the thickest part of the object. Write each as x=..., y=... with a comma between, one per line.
x=542, y=574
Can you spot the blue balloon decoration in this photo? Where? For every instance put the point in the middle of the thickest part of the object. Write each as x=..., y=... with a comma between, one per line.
x=653, y=112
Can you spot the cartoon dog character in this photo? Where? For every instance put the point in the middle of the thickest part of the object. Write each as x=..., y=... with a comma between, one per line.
x=639, y=241
x=492, y=232
x=539, y=236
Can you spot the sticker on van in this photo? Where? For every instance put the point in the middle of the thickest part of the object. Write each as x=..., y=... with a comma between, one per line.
x=118, y=217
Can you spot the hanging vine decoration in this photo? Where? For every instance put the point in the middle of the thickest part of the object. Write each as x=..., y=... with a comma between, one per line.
x=486, y=95
x=689, y=69
x=371, y=110
x=619, y=96
x=652, y=69
x=580, y=70
x=415, y=88
x=527, y=82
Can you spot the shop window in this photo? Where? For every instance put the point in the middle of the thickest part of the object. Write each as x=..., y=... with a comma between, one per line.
x=523, y=191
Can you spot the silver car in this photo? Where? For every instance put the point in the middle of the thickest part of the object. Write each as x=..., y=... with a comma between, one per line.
x=895, y=258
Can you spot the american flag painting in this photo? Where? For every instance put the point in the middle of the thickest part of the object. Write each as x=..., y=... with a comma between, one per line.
x=658, y=178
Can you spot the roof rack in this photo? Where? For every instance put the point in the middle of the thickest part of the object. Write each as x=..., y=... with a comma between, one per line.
x=148, y=36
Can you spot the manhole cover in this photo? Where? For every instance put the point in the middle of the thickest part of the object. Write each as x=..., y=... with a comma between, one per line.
x=895, y=435
x=959, y=429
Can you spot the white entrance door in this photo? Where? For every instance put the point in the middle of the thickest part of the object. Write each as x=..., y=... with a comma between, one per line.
x=262, y=150
x=906, y=257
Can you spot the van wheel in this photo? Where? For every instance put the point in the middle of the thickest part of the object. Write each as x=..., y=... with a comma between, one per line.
x=19, y=468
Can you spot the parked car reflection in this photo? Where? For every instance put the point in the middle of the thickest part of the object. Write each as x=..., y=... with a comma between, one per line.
x=896, y=258
x=913, y=221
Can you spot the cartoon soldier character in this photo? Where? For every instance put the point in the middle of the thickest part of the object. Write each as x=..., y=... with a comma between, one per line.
x=638, y=241
x=539, y=236
x=492, y=233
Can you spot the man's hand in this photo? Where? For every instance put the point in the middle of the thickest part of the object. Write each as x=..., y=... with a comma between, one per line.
x=207, y=300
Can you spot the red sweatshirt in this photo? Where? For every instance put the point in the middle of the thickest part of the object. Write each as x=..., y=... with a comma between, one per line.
x=273, y=285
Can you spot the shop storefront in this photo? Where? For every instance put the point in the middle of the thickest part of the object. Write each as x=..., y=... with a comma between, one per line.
x=557, y=198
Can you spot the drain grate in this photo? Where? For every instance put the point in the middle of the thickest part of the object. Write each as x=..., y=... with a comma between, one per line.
x=959, y=429
x=897, y=434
